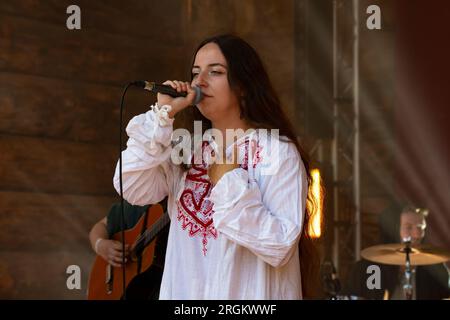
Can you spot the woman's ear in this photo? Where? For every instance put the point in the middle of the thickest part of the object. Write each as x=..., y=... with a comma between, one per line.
x=242, y=93
x=238, y=91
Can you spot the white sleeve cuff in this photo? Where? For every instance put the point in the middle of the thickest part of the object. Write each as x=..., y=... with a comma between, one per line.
x=162, y=114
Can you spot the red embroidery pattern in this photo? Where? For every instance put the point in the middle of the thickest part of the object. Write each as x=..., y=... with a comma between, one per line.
x=256, y=148
x=194, y=212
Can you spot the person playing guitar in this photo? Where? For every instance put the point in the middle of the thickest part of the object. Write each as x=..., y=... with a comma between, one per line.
x=104, y=238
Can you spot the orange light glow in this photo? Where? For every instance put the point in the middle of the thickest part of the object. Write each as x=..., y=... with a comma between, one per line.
x=315, y=225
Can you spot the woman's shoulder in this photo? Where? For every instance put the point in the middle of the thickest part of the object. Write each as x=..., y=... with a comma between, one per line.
x=274, y=153
x=272, y=144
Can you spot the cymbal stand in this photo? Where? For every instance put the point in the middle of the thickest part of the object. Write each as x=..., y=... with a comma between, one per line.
x=407, y=287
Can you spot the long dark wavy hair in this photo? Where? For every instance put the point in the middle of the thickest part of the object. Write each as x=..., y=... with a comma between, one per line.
x=260, y=107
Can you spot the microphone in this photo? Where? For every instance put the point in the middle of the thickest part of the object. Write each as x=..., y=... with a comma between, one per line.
x=165, y=89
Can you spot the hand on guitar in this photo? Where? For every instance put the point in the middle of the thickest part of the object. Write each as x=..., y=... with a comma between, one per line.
x=106, y=283
x=111, y=251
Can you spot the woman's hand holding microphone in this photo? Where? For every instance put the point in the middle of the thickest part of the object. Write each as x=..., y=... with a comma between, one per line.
x=178, y=103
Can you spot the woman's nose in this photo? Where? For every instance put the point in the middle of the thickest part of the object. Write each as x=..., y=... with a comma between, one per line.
x=200, y=80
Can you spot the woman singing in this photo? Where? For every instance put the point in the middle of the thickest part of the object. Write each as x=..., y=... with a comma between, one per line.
x=236, y=227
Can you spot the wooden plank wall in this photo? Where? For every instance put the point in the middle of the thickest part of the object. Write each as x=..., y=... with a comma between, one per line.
x=59, y=97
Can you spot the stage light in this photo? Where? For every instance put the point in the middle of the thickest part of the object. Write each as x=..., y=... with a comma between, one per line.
x=315, y=225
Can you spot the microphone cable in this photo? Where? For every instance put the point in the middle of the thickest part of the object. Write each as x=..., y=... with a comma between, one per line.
x=122, y=213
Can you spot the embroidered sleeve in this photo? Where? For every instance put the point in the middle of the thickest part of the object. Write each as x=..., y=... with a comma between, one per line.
x=268, y=224
x=147, y=172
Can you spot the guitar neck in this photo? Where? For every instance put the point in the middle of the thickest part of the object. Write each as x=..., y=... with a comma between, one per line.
x=150, y=234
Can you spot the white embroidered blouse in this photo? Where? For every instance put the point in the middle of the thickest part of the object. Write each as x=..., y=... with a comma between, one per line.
x=236, y=240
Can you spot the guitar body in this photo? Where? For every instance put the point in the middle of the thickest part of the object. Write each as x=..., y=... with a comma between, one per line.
x=105, y=281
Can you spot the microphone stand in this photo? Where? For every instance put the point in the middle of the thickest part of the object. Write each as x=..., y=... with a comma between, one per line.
x=330, y=282
x=407, y=287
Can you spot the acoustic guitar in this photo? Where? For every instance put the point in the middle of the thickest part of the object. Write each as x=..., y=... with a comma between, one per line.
x=105, y=281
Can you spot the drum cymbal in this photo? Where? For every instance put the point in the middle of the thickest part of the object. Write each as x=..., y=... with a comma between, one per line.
x=395, y=254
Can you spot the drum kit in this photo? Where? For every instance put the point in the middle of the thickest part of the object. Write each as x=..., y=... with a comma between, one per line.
x=407, y=255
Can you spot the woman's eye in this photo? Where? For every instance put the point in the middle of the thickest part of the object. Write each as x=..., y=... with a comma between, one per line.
x=212, y=72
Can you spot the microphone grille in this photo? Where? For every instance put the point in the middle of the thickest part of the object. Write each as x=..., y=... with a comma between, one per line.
x=198, y=95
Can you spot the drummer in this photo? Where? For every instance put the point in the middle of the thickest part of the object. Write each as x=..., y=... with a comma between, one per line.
x=429, y=282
